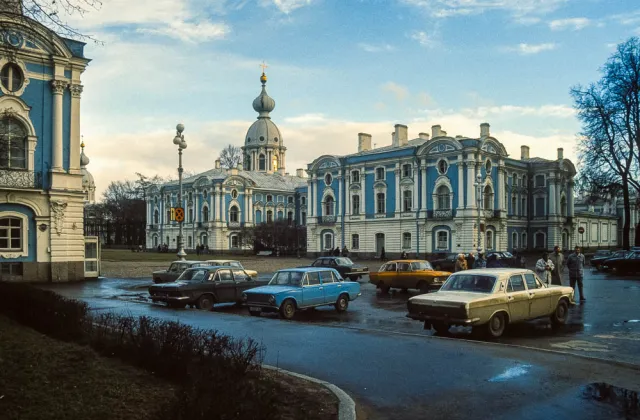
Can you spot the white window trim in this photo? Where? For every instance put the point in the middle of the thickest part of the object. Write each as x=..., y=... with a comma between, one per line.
x=375, y=174
x=438, y=166
x=523, y=240
x=544, y=241
x=375, y=198
x=231, y=237
x=25, y=76
x=411, y=207
x=324, y=243
x=352, y=238
x=328, y=193
x=410, y=240
x=25, y=236
x=440, y=182
x=437, y=232
x=353, y=171
x=240, y=213
x=514, y=240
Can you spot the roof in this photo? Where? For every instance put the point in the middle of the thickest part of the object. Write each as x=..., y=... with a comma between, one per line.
x=496, y=271
x=263, y=180
x=307, y=269
x=406, y=261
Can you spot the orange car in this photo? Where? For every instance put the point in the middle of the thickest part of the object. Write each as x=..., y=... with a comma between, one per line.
x=408, y=274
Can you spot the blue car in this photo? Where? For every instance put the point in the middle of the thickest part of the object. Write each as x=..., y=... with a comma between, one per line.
x=300, y=288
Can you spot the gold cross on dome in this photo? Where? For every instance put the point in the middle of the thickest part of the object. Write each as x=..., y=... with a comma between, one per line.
x=264, y=66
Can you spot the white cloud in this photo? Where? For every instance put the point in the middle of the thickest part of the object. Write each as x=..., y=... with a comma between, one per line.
x=287, y=6
x=528, y=49
x=627, y=19
x=400, y=92
x=190, y=32
x=375, y=48
x=518, y=8
x=423, y=39
x=575, y=24
x=425, y=99
x=556, y=111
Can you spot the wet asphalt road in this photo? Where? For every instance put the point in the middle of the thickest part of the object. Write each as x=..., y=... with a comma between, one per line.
x=395, y=370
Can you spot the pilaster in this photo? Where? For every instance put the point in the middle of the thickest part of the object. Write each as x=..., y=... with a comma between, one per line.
x=74, y=160
x=57, y=88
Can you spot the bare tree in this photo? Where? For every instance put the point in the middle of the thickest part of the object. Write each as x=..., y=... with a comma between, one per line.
x=230, y=156
x=609, y=111
x=51, y=13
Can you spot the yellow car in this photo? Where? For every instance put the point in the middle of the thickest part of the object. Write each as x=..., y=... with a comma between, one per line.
x=408, y=274
x=490, y=299
x=233, y=263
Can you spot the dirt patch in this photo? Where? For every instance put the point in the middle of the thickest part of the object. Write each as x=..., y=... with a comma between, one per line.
x=301, y=399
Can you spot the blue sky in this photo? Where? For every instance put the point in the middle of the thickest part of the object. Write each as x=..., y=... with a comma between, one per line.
x=336, y=68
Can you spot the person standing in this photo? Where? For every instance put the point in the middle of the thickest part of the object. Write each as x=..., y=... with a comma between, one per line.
x=480, y=262
x=544, y=266
x=403, y=255
x=461, y=263
x=558, y=264
x=575, y=264
x=383, y=255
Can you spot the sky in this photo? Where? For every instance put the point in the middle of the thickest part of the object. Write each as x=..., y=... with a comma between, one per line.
x=335, y=68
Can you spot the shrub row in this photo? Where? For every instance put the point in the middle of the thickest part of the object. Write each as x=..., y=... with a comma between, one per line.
x=218, y=377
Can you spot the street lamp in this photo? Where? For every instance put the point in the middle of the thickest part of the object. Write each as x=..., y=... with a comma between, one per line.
x=478, y=185
x=179, y=141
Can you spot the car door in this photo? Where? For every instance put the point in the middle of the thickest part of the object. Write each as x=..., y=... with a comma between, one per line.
x=312, y=291
x=389, y=274
x=517, y=299
x=330, y=286
x=539, y=295
x=243, y=281
x=404, y=277
x=226, y=286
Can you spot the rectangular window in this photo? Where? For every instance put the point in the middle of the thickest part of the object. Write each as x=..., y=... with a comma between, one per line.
x=443, y=240
x=190, y=215
x=539, y=180
x=355, y=176
x=531, y=281
x=313, y=279
x=355, y=204
x=406, y=200
x=406, y=240
x=540, y=210
x=168, y=216
x=380, y=174
x=516, y=284
x=269, y=216
x=10, y=269
x=406, y=170
x=355, y=241
x=11, y=234
x=304, y=219
x=524, y=207
x=514, y=205
x=380, y=208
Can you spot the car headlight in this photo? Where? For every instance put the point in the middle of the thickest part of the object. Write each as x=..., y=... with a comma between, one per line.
x=272, y=299
x=244, y=297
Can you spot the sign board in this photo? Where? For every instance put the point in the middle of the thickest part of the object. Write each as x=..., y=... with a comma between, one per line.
x=177, y=214
x=580, y=230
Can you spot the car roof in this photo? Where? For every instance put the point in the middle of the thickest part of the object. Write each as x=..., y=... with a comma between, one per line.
x=222, y=261
x=187, y=261
x=498, y=272
x=216, y=267
x=307, y=269
x=406, y=261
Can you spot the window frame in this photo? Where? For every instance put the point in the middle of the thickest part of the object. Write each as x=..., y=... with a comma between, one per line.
x=234, y=214
x=446, y=166
x=355, y=241
x=381, y=203
x=407, y=200
x=406, y=240
x=9, y=137
x=23, y=235
x=378, y=172
x=355, y=176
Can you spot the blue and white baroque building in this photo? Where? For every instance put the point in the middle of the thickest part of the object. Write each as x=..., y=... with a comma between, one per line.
x=419, y=196
x=43, y=181
x=218, y=203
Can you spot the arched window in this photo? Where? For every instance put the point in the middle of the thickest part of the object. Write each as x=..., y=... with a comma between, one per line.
x=247, y=164
x=155, y=241
x=563, y=207
x=443, y=196
x=380, y=203
x=280, y=215
x=523, y=209
x=489, y=236
x=262, y=162
x=233, y=214
x=11, y=234
x=289, y=217
x=303, y=218
x=205, y=214
x=269, y=198
x=514, y=205
x=11, y=77
x=406, y=200
x=524, y=243
x=355, y=204
x=406, y=240
x=156, y=216
x=328, y=241
x=204, y=194
x=258, y=216
x=13, y=144
x=269, y=216
x=328, y=206
x=488, y=198
x=274, y=162
x=514, y=240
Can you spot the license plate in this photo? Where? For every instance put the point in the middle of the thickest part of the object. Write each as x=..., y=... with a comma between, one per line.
x=255, y=308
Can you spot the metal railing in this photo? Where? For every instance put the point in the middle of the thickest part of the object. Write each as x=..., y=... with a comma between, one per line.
x=442, y=214
x=20, y=179
x=326, y=220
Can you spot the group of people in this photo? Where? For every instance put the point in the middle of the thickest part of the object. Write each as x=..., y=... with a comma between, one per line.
x=470, y=261
x=337, y=253
x=550, y=268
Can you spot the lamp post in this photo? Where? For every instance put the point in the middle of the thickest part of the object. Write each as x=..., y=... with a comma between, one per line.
x=179, y=141
x=478, y=185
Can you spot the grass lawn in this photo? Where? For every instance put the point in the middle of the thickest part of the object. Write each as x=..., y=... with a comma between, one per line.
x=42, y=378
x=127, y=255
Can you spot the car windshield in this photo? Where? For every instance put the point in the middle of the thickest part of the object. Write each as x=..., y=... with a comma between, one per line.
x=507, y=254
x=421, y=265
x=601, y=253
x=344, y=261
x=193, y=275
x=470, y=283
x=291, y=278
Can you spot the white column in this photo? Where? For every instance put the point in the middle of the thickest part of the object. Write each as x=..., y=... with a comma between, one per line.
x=211, y=205
x=552, y=196
x=398, y=193
x=58, y=87
x=471, y=189
x=340, y=201
x=558, y=196
x=423, y=204
x=347, y=194
x=416, y=177
x=223, y=210
x=499, y=189
x=250, y=200
x=570, y=200
x=217, y=202
x=363, y=187
x=74, y=160
x=196, y=207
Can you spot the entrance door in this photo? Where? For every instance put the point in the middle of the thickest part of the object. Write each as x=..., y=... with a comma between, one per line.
x=379, y=243
x=518, y=299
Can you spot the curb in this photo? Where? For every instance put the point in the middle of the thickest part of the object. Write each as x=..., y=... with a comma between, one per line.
x=346, y=405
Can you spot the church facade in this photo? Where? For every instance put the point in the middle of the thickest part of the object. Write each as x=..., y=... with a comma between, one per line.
x=41, y=173
x=421, y=196
x=220, y=202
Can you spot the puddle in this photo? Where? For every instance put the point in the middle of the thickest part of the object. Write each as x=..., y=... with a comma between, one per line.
x=624, y=400
x=511, y=373
x=633, y=321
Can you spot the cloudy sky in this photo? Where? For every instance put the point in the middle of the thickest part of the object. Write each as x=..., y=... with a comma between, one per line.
x=336, y=68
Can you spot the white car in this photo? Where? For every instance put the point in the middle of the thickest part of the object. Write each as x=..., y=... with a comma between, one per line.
x=235, y=264
x=491, y=298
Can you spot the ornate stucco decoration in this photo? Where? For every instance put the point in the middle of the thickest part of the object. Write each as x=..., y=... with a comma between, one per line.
x=57, y=214
x=58, y=86
x=76, y=90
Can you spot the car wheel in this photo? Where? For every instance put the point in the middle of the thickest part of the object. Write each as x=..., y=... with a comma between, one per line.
x=342, y=303
x=255, y=313
x=423, y=286
x=559, y=316
x=205, y=302
x=440, y=327
x=497, y=325
x=287, y=309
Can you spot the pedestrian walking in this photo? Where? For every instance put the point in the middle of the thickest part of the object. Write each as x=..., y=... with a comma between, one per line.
x=403, y=255
x=575, y=264
x=480, y=262
x=461, y=263
x=383, y=255
x=345, y=251
x=544, y=266
x=558, y=265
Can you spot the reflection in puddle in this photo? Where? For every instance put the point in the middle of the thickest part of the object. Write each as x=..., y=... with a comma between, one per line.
x=623, y=399
x=511, y=373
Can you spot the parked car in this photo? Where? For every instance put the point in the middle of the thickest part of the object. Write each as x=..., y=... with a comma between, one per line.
x=626, y=264
x=234, y=264
x=446, y=263
x=175, y=270
x=204, y=287
x=490, y=299
x=408, y=274
x=346, y=267
x=504, y=259
x=600, y=256
x=300, y=288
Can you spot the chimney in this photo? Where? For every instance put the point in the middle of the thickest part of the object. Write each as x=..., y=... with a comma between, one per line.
x=281, y=171
x=560, y=153
x=300, y=173
x=524, y=152
x=484, y=130
x=424, y=136
x=364, y=142
x=217, y=163
x=400, y=136
x=240, y=166
x=443, y=133
x=435, y=131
